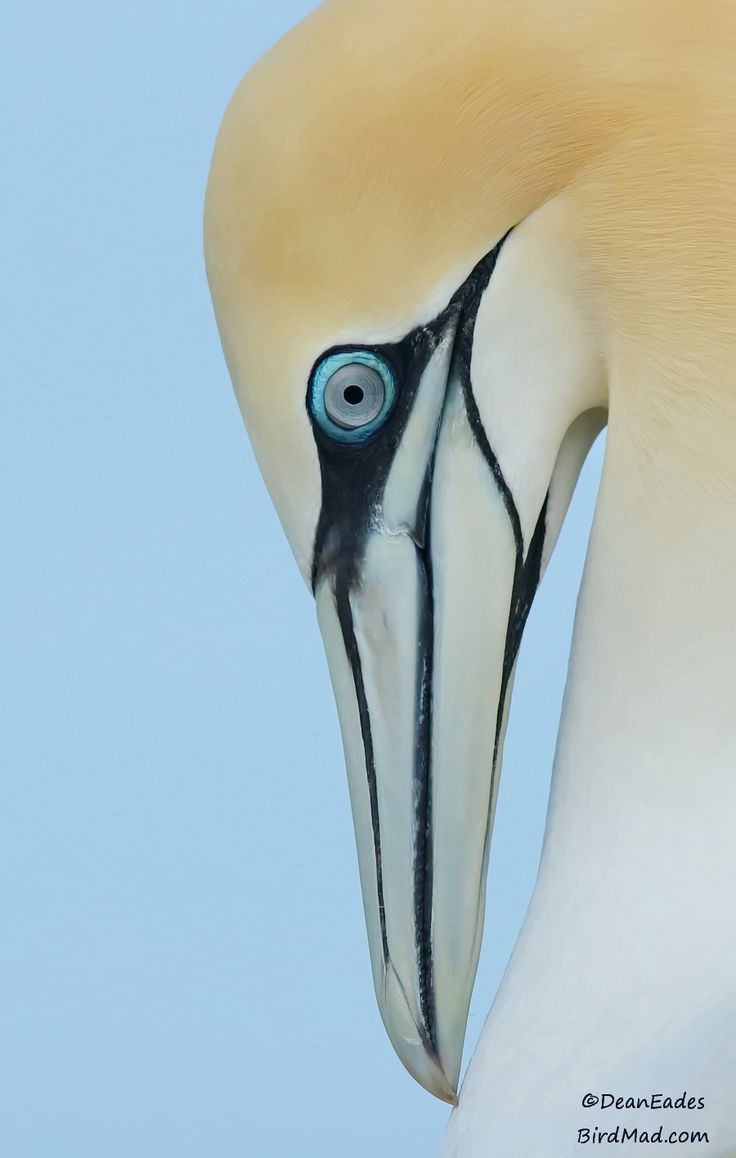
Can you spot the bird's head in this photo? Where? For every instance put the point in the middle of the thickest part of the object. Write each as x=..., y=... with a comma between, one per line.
x=405, y=219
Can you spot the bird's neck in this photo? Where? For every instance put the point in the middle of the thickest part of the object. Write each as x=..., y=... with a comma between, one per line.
x=646, y=759
x=623, y=974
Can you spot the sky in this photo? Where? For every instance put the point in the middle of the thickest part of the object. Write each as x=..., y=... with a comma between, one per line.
x=183, y=962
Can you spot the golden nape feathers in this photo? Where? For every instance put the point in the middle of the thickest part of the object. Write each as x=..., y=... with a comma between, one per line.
x=379, y=150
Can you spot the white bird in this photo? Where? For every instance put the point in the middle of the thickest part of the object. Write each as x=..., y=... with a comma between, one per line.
x=446, y=242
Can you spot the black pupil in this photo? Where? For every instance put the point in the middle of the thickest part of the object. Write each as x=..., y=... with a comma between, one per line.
x=354, y=395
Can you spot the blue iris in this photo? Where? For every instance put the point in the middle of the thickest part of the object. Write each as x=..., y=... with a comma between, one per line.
x=352, y=394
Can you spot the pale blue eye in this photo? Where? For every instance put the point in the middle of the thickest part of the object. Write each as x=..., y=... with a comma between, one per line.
x=352, y=394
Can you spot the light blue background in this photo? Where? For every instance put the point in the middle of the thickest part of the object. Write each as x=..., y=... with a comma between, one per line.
x=183, y=968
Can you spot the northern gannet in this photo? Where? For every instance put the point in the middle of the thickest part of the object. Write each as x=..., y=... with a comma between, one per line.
x=447, y=242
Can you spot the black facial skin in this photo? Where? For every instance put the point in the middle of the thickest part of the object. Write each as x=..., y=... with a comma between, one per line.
x=353, y=481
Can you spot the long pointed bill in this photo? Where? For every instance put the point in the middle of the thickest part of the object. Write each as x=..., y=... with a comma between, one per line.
x=416, y=630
